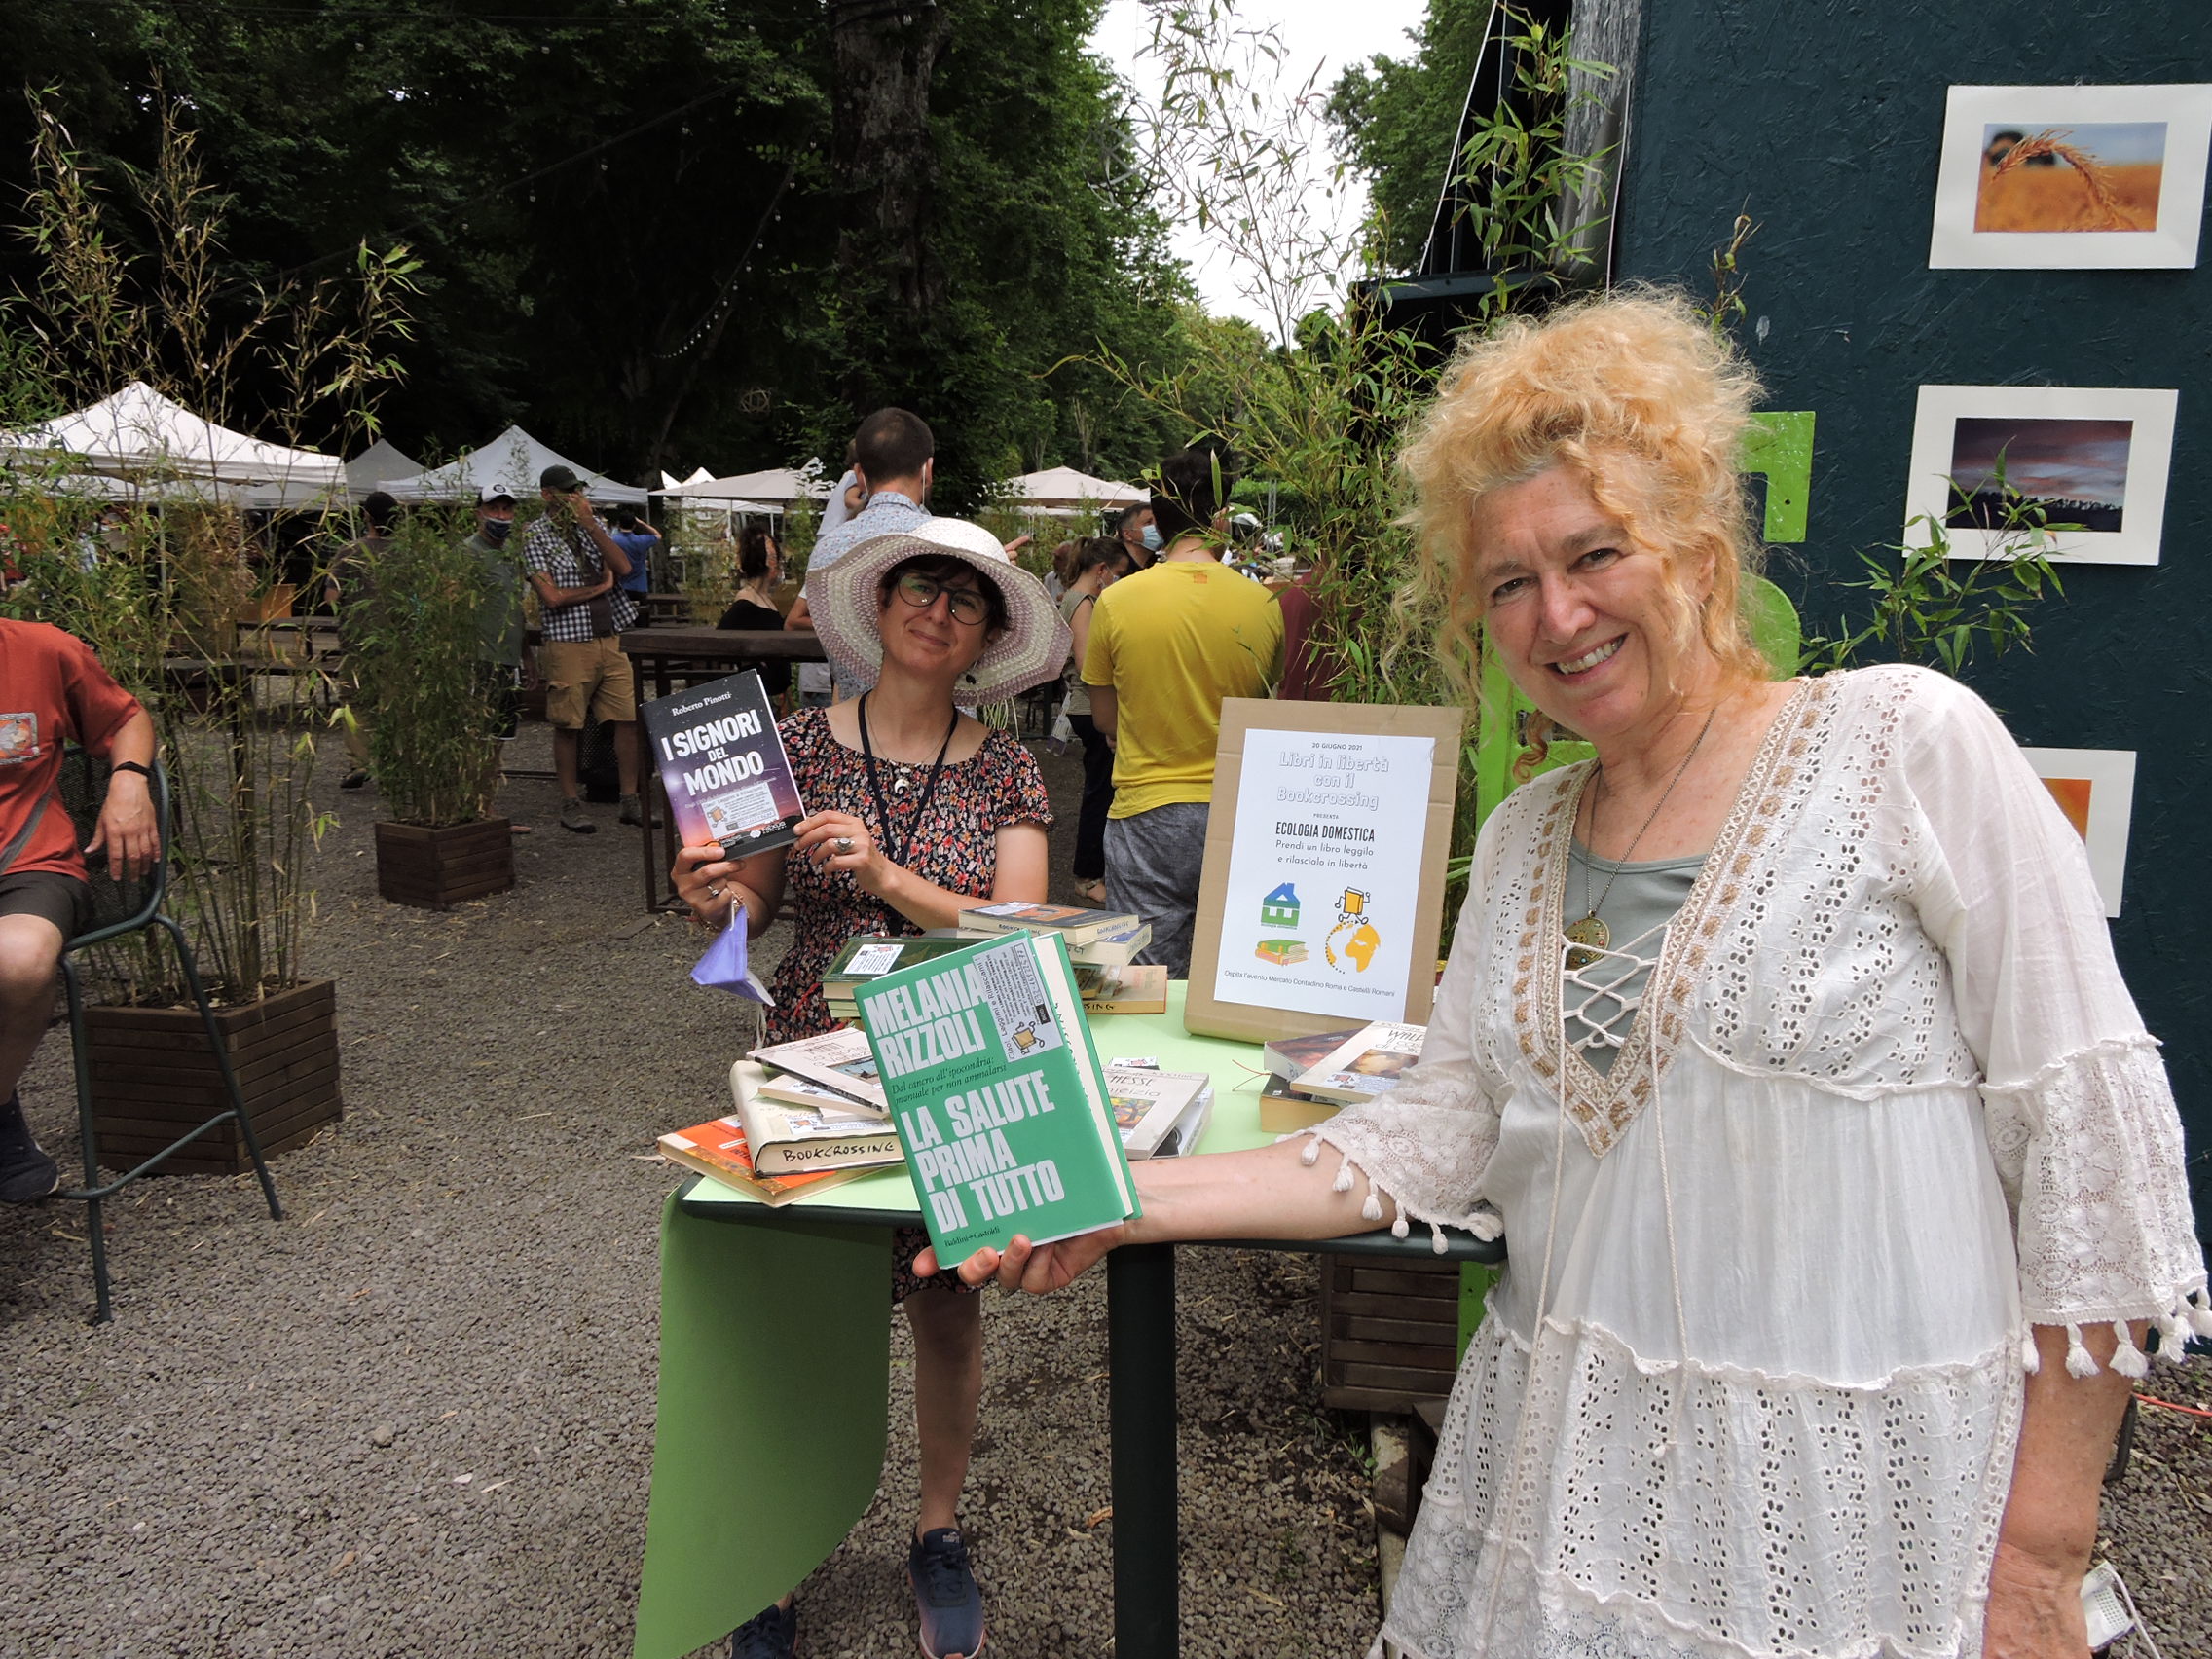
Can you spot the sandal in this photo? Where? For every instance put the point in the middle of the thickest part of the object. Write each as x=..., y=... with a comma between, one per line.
x=1094, y=892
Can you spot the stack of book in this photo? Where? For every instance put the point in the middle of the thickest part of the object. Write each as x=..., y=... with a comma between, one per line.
x=1160, y=1113
x=1308, y=1078
x=1106, y=987
x=1095, y=938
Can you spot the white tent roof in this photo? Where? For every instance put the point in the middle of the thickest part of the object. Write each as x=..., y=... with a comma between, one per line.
x=510, y=462
x=699, y=475
x=1065, y=486
x=138, y=433
x=377, y=465
x=778, y=484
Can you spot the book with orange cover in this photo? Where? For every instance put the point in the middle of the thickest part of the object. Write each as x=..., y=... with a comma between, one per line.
x=717, y=1148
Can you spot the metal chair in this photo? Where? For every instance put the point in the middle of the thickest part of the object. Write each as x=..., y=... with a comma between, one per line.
x=120, y=908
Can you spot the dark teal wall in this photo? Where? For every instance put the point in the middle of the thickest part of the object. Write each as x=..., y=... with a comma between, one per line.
x=1821, y=119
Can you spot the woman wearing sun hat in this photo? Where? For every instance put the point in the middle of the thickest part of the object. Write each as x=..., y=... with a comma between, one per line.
x=916, y=811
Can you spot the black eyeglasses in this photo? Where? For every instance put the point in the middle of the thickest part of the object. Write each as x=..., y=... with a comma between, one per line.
x=965, y=603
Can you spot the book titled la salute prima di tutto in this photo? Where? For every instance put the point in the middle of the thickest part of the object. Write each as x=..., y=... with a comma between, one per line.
x=997, y=1096
x=722, y=761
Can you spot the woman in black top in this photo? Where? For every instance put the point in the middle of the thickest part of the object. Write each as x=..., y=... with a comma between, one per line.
x=759, y=568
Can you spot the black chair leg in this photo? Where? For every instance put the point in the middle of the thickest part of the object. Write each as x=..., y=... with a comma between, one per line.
x=222, y=1051
x=89, y=1140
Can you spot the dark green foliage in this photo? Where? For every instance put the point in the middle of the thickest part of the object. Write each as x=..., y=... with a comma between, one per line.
x=584, y=184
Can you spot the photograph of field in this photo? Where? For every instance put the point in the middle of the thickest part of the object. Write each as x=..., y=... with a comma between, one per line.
x=2075, y=471
x=2071, y=178
x=2101, y=176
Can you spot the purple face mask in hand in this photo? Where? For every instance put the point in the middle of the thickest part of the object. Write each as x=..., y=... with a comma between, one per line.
x=724, y=969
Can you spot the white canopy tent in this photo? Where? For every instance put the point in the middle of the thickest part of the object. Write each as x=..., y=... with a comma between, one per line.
x=512, y=462
x=375, y=467
x=769, y=491
x=668, y=480
x=139, y=440
x=1065, y=486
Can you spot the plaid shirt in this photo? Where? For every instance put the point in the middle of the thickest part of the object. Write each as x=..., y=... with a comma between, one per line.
x=569, y=558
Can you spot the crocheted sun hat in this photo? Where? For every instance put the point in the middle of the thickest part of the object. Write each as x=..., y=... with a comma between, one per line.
x=842, y=600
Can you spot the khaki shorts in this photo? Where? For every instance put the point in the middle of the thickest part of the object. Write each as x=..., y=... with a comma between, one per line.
x=586, y=676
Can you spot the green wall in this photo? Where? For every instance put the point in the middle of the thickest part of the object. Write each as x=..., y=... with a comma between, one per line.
x=1822, y=120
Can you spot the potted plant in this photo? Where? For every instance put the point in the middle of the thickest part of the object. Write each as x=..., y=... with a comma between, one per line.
x=423, y=635
x=155, y=564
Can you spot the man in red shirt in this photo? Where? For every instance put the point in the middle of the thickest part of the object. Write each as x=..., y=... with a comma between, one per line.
x=54, y=692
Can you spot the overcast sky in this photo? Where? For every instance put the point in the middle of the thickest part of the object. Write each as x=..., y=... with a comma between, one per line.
x=1331, y=33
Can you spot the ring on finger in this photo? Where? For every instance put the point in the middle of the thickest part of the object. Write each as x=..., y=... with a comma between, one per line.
x=714, y=891
x=844, y=843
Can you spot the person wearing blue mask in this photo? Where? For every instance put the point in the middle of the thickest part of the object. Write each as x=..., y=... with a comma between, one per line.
x=1140, y=535
x=498, y=617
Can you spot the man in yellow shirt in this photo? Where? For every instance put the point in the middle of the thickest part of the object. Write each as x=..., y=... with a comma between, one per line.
x=1166, y=645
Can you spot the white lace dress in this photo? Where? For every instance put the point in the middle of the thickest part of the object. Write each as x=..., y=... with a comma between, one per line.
x=1753, y=1381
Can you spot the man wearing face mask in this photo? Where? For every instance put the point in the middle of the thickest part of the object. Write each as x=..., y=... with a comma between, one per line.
x=1139, y=532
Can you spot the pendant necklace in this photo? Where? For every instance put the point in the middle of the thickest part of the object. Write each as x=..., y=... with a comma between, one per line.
x=898, y=850
x=1588, y=937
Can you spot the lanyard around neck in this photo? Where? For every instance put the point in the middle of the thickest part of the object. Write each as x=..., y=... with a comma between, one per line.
x=894, y=850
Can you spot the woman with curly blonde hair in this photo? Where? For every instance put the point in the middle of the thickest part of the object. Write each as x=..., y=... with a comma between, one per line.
x=1784, y=1043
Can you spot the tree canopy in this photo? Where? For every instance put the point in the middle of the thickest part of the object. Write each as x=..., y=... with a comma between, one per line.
x=642, y=231
x=1396, y=120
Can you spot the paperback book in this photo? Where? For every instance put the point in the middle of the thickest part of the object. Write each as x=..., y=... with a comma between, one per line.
x=1283, y=1110
x=998, y=1095
x=1136, y=989
x=723, y=763
x=1290, y=1056
x=872, y=956
x=795, y=1140
x=717, y=1150
x=793, y=1090
x=1073, y=925
x=840, y=1059
x=1367, y=1063
x=1160, y=1113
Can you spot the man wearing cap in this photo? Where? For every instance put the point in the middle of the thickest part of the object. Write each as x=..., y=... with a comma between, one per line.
x=573, y=563
x=1166, y=645
x=894, y=463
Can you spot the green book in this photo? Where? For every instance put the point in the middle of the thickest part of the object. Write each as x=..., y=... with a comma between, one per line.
x=997, y=1096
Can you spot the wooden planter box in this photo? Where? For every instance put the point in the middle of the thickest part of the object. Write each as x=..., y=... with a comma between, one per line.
x=439, y=868
x=154, y=1078
x=1389, y=1331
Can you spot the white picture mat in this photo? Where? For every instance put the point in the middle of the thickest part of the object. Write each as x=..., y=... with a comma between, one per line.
x=2186, y=108
x=2110, y=776
x=1287, y=785
x=2150, y=458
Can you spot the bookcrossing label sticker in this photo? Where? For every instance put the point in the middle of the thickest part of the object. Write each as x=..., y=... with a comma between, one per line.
x=874, y=959
x=1015, y=992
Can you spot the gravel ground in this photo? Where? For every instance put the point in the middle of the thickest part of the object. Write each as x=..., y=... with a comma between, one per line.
x=416, y=1417
x=265, y=1453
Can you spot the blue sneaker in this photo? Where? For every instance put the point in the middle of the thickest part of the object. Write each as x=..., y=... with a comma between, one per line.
x=770, y=1633
x=946, y=1596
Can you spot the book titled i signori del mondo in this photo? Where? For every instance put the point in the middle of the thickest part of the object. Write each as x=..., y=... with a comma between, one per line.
x=722, y=761
x=997, y=1096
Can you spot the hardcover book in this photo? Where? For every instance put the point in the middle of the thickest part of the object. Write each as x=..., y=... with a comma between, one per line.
x=792, y=1140
x=717, y=1150
x=723, y=763
x=998, y=1095
x=1367, y=1063
x=840, y=1059
x=1073, y=925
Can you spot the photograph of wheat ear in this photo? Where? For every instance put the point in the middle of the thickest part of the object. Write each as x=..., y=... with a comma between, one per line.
x=2044, y=177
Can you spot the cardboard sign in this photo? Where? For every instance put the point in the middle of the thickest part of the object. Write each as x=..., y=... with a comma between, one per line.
x=1322, y=896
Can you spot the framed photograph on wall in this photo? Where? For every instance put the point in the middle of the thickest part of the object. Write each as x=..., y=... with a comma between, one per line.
x=1321, y=900
x=2057, y=177
x=2096, y=457
x=2096, y=788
